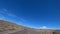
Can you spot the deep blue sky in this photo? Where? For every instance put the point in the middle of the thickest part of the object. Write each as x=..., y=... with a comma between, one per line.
x=32, y=13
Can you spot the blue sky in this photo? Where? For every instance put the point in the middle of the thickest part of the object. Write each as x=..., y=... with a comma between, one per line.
x=32, y=13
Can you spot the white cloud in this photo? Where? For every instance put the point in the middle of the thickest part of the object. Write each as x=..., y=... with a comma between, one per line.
x=43, y=27
x=15, y=16
x=5, y=11
x=2, y=17
x=12, y=15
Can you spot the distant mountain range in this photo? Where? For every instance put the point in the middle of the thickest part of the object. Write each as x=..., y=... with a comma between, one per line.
x=12, y=28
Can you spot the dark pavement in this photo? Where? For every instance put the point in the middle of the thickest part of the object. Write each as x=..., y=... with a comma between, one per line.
x=25, y=31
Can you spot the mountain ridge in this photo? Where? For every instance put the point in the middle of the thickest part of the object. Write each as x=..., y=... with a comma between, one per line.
x=7, y=27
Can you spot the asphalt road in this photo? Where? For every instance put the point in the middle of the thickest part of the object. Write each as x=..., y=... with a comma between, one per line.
x=20, y=32
x=29, y=31
x=25, y=31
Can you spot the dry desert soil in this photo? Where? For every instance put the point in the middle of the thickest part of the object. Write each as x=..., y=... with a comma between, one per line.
x=12, y=28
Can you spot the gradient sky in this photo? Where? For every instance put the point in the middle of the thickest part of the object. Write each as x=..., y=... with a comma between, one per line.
x=32, y=13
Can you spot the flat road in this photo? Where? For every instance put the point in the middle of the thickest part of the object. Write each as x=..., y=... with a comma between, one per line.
x=28, y=31
x=25, y=31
